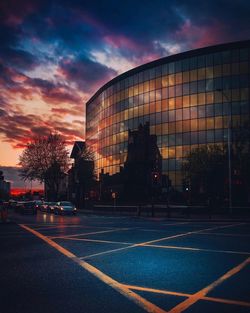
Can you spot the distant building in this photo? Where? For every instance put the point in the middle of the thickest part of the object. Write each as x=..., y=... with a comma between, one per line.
x=80, y=176
x=5, y=187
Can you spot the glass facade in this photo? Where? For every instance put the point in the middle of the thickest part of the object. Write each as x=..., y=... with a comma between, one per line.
x=188, y=100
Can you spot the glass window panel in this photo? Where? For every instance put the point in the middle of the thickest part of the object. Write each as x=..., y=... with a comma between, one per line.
x=178, y=139
x=179, y=127
x=209, y=97
x=201, y=73
x=202, y=124
x=171, y=80
x=201, y=111
x=158, y=118
x=186, y=101
x=218, y=135
x=164, y=93
x=158, y=106
x=171, y=103
x=178, y=115
x=193, y=87
x=178, y=90
x=193, y=75
x=164, y=129
x=244, y=105
x=152, y=96
x=210, y=136
x=209, y=72
x=201, y=86
x=146, y=86
x=171, y=115
x=171, y=163
x=171, y=67
x=146, y=97
x=193, y=111
x=158, y=83
x=218, y=71
x=164, y=104
x=171, y=92
x=194, y=138
x=226, y=69
x=186, y=113
x=164, y=81
x=178, y=102
x=152, y=84
x=201, y=136
x=186, y=138
x=185, y=88
x=146, y=108
x=152, y=107
x=171, y=127
x=186, y=126
x=210, y=110
x=210, y=123
x=194, y=124
x=171, y=140
x=185, y=77
x=178, y=78
x=179, y=153
x=193, y=100
x=235, y=69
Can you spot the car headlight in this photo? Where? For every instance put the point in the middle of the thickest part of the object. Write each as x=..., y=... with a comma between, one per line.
x=61, y=208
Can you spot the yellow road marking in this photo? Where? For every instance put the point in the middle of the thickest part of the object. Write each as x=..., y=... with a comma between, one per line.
x=165, y=292
x=226, y=234
x=203, y=292
x=90, y=233
x=187, y=295
x=147, y=243
x=96, y=240
x=140, y=301
x=198, y=249
x=185, y=234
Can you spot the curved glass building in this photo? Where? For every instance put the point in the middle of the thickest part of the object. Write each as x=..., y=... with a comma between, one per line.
x=187, y=99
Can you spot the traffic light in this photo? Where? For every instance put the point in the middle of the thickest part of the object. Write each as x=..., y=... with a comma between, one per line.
x=155, y=178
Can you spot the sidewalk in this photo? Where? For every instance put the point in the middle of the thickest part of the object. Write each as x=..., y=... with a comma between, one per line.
x=173, y=212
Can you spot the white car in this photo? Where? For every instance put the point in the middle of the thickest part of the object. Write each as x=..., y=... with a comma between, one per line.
x=65, y=207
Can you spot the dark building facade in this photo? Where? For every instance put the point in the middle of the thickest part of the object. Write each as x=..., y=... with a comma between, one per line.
x=80, y=175
x=187, y=99
x=143, y=167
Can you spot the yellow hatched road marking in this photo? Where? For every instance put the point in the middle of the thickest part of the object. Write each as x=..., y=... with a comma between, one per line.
x=140, y=301
x=90, y=233
x=148, y=243
x=187, y=295
x=97, y=240
x=226, y=234
x=198, y=249
x=203, y=292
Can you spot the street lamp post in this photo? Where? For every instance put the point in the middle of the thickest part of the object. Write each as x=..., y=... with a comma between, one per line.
x=229, y=154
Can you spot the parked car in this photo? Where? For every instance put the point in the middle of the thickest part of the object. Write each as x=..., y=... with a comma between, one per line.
x=28, y=208
x=38, y=204
x=51, y=206
x=44, y=207
x=64, y=207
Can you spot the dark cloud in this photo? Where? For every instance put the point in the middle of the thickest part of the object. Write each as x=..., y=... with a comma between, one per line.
x=85, y=73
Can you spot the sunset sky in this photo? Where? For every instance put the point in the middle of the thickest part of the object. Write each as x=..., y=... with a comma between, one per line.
x=55, y=54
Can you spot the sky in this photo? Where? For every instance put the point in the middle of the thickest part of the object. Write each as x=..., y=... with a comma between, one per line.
x=54, y=55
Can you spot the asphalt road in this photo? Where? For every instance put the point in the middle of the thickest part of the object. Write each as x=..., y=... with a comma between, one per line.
x=93, y=264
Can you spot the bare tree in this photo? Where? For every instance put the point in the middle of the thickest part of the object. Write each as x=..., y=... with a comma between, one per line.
x=45, y=159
